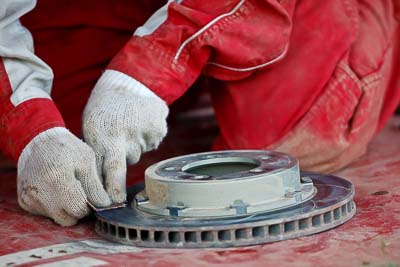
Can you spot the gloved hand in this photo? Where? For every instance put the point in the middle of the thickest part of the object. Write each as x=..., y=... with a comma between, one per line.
x=120, y=122
x=57, y=175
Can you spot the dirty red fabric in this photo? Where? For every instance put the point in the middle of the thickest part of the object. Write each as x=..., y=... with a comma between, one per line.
x=332, y=83
x=327, y=98
x=323, y=102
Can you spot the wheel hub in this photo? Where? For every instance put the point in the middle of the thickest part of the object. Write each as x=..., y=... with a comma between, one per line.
x=227, y=198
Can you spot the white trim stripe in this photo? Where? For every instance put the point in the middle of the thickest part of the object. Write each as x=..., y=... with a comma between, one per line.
x=25, y=93
x=279, y=57
x=203, y=29
x=28, y=75
x=158, y=18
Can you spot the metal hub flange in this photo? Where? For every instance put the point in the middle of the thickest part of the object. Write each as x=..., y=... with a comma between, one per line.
x=224, y=183
x=331, y=206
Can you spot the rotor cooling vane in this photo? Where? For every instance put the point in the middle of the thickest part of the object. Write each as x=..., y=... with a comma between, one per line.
x=227, y=199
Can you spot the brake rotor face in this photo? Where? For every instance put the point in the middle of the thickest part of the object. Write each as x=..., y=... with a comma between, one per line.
x=300, y=206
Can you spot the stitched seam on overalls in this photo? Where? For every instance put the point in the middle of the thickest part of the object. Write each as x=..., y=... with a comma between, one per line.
x=206, y=27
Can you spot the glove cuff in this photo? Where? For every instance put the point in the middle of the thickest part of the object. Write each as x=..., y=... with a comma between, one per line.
x=25, y=121
x=115, y=79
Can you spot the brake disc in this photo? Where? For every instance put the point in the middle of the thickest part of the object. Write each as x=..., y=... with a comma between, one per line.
x=227, y=198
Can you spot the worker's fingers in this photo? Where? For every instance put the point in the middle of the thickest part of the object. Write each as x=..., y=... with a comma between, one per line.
x=99, y=164
x=114, y=172
x=86, y=173
x=62, y=217
x=73, y=200
x=133, y=153
x=153, y=139
x=40, y=205
x=31, y=204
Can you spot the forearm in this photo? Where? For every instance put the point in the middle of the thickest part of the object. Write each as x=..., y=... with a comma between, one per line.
x=227, y=41
x=26, y=108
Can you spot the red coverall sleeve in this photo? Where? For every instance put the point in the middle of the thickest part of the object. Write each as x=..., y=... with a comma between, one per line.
x=26, y=108
x=227, y=40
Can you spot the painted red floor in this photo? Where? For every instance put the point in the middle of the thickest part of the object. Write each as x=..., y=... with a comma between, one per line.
x=371, y=238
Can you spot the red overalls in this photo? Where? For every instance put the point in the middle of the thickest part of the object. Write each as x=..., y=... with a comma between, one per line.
x=316, y=79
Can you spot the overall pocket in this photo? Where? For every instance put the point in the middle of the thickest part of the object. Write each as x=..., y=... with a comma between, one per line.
x=340, y=124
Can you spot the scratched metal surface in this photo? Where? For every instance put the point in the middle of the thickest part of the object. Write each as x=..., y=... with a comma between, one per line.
x=371, y=238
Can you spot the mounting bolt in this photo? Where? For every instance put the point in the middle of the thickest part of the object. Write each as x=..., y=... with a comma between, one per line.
x=306, y=180
x=174, y=210
x=256, y=170
x=290, y=194
x=200, y=177
x=240, y=206
x=141, y=197
x=306, y=184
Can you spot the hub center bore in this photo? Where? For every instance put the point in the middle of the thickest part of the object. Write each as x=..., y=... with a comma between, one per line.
x=221, y=166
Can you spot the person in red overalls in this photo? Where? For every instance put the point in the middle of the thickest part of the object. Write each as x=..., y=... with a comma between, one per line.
x=316, y=79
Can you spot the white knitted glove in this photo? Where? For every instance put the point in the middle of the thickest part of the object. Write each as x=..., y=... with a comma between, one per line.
x=122, y=119
x=57, y=175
